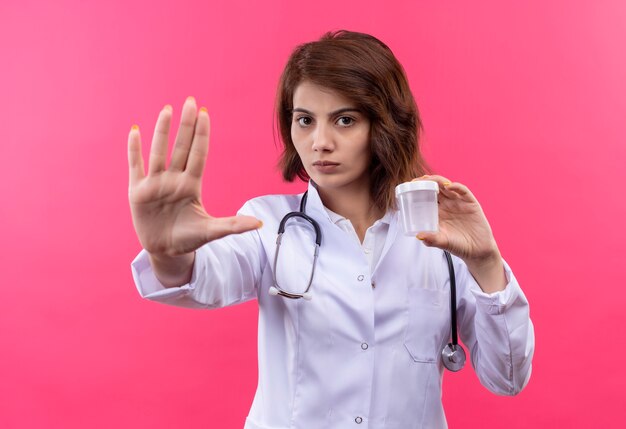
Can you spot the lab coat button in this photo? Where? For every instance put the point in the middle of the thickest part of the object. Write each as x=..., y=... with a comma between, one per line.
x=360, y=278
x=364, y=346
x=358, y=420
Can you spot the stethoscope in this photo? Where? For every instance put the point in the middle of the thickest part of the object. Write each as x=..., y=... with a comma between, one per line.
x=452, y=354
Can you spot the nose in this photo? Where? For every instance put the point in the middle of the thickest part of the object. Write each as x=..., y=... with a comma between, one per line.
x=323, y=139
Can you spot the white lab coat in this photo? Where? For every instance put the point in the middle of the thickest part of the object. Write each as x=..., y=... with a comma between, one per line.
x=355, y=355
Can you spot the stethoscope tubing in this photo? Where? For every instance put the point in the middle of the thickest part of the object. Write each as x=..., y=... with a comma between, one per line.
x=453, y=325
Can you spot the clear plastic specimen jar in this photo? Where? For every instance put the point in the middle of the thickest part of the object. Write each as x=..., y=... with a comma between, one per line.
x=418, y=206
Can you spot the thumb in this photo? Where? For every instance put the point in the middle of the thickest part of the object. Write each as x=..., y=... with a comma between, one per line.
x=222, y=226
x=433, y=239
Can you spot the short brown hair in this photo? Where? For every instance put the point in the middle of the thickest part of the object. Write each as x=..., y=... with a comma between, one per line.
x=364, y=70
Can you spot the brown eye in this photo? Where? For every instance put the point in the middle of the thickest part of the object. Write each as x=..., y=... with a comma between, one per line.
x=345, y=121
x=304, y=121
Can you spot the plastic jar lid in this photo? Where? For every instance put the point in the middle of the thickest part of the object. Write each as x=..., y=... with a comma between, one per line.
x=418, y=185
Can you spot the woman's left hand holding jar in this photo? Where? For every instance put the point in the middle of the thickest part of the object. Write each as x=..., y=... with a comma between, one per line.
x=465, y=232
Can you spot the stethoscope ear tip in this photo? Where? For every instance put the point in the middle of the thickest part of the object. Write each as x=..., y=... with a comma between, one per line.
x=273, y=291
x=307, y=296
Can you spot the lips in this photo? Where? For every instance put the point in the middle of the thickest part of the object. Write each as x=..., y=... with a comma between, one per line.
x=326, y=167
x=325, y=163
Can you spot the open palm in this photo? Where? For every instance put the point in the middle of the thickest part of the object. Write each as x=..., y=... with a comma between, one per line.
x=165, y=203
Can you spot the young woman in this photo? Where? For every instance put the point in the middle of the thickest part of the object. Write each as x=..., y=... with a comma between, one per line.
x=365, y=346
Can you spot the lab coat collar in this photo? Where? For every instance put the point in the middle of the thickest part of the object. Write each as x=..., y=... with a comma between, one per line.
x=391, y=237
x=315, y=208
x=336, y=218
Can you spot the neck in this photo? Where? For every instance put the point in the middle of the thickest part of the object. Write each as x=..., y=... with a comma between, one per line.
x=355, y=204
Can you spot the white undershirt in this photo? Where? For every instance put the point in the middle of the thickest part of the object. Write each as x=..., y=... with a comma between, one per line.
x=375, y=236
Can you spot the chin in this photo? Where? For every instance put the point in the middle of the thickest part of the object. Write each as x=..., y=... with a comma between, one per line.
x=325, y=181
x=329, y=182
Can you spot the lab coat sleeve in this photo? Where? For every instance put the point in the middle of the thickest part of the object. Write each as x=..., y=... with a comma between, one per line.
x=498, y=332
x=225, y=272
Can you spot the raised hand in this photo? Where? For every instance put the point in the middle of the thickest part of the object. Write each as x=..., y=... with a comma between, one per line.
x=166, y=203
x=465, y=232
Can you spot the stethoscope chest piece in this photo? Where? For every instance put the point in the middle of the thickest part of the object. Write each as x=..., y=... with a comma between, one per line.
x=453, y=357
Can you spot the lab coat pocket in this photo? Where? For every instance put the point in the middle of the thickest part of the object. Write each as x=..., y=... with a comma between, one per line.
x=428, y=323
x=416, y=371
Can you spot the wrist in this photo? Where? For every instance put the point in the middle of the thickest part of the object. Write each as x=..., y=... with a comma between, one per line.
x=484, y=262
x=488, y=272
x=172, y=271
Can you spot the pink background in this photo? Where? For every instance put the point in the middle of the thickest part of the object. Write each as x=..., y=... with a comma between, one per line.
x=525, y=102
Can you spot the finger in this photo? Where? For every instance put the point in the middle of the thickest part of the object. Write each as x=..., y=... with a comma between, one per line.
x=135, y=159
x=442, y=182
x=448, y=188
x=158, y=150
x=200, y=144
x=221, y=227
x=424, y=177
x=459, y=190
x=184, y=135
x=449, y=193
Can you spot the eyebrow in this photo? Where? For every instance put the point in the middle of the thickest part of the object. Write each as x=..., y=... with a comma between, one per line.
x=331, y=114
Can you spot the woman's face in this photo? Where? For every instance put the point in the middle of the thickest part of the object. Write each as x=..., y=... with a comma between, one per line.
x=332, y=138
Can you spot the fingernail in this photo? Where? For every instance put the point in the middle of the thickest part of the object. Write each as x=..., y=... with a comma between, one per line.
x=419, y=237
x=447, y=183
x=191, y=98
x=135, y=128
x=260, y=224
x=167, y=107
x=203, y=109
